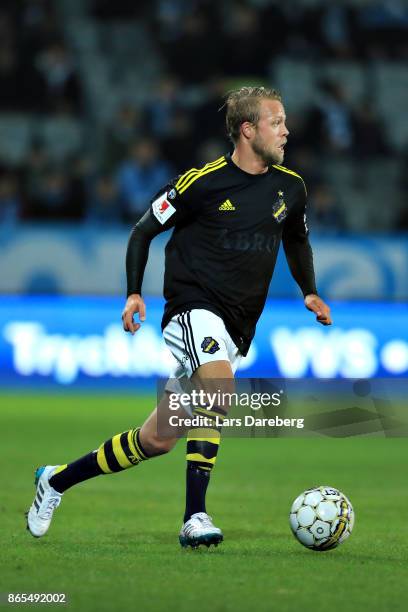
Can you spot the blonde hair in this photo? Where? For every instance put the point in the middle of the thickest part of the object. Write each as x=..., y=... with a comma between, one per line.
x=243, y=105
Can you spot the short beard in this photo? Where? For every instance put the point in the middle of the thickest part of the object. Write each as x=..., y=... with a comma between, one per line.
x=267, y=157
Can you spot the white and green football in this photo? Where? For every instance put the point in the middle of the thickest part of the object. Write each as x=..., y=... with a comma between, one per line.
x=321, y=518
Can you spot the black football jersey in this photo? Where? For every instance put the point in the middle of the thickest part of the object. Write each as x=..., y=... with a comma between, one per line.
x=228, y=225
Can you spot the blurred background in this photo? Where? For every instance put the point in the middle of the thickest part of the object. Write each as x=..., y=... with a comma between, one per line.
x=102, y=102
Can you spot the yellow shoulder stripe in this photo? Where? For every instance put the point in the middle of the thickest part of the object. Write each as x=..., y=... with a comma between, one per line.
x=200, y=174
x=192, y=175
x=184, y=177
x=283, y=169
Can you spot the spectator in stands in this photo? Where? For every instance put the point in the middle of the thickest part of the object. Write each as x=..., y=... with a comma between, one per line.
x=247, y=49
x=273, y=19
x=163, y=105
x=403, y=170
x=53, y=195
x=209, y=150
x=195, y=55
x=370, y=135
x=61, y=89
x=38, y=26
x=180, y=146
x=140, y=176
x=82, y=172
x=7, y=28
x=13, y=76
x=168, y=16
x=298, y=142
x=304, y=159
x=32, y=177
x=402, y=221
x=55, y=199
x=119, y=9
x=104, y=204
x=298, y=32
x=11, y=95
x=402, y=216
x=383, y=28
x=325, y=214
x=335, y=29
x=209, y=121
x=125, y=127
x=10, y=202
x=330, y=123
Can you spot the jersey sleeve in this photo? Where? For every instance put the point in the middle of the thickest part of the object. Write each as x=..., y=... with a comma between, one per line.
x=170, y=206
x=297, y=246
x=178, y=201
x=296, y=227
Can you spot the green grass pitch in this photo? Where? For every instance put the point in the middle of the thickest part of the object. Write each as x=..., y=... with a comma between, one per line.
x=114, y=545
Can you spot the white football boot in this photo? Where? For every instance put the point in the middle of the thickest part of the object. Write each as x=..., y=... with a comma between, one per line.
x=199, y=529
x=46, y=500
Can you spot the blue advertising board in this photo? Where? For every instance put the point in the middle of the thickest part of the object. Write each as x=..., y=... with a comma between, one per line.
x=88, y=260
x=73, y=342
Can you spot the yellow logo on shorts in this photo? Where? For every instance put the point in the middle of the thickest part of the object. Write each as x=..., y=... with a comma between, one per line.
x=209, y=345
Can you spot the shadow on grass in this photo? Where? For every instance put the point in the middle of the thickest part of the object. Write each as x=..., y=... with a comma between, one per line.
x=240, y=542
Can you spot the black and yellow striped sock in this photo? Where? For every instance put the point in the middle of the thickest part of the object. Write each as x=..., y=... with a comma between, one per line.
x=121, y=452
x=202, y=449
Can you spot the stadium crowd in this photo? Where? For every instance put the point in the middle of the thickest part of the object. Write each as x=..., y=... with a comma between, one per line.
x=205, y=47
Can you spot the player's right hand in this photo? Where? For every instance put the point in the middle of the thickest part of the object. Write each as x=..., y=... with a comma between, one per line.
x=134, y=304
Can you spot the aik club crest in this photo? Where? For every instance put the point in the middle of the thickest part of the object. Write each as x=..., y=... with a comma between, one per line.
x=279, y=209
x=209, y=345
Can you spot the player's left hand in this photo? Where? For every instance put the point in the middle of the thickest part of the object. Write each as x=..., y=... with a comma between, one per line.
x=322, y=310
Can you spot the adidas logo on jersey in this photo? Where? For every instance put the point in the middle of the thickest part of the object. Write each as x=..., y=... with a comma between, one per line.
x=227, y=205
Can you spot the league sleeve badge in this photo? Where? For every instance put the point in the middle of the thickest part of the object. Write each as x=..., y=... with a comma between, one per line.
x=162, y=209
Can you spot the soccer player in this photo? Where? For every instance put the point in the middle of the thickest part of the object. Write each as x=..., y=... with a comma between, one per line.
x=229, y=218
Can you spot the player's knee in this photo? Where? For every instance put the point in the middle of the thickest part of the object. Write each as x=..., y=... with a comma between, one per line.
x=155, y=446
x=216, y=380
x=214, y=372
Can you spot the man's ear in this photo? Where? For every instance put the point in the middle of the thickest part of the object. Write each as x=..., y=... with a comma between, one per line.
x=247, y=129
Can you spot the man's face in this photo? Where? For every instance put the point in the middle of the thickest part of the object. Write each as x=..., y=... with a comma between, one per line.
x=270, y=133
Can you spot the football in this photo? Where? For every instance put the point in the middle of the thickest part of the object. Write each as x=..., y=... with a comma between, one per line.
x=321, y=518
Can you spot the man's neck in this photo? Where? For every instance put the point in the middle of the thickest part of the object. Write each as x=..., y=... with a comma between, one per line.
x=248, y=161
